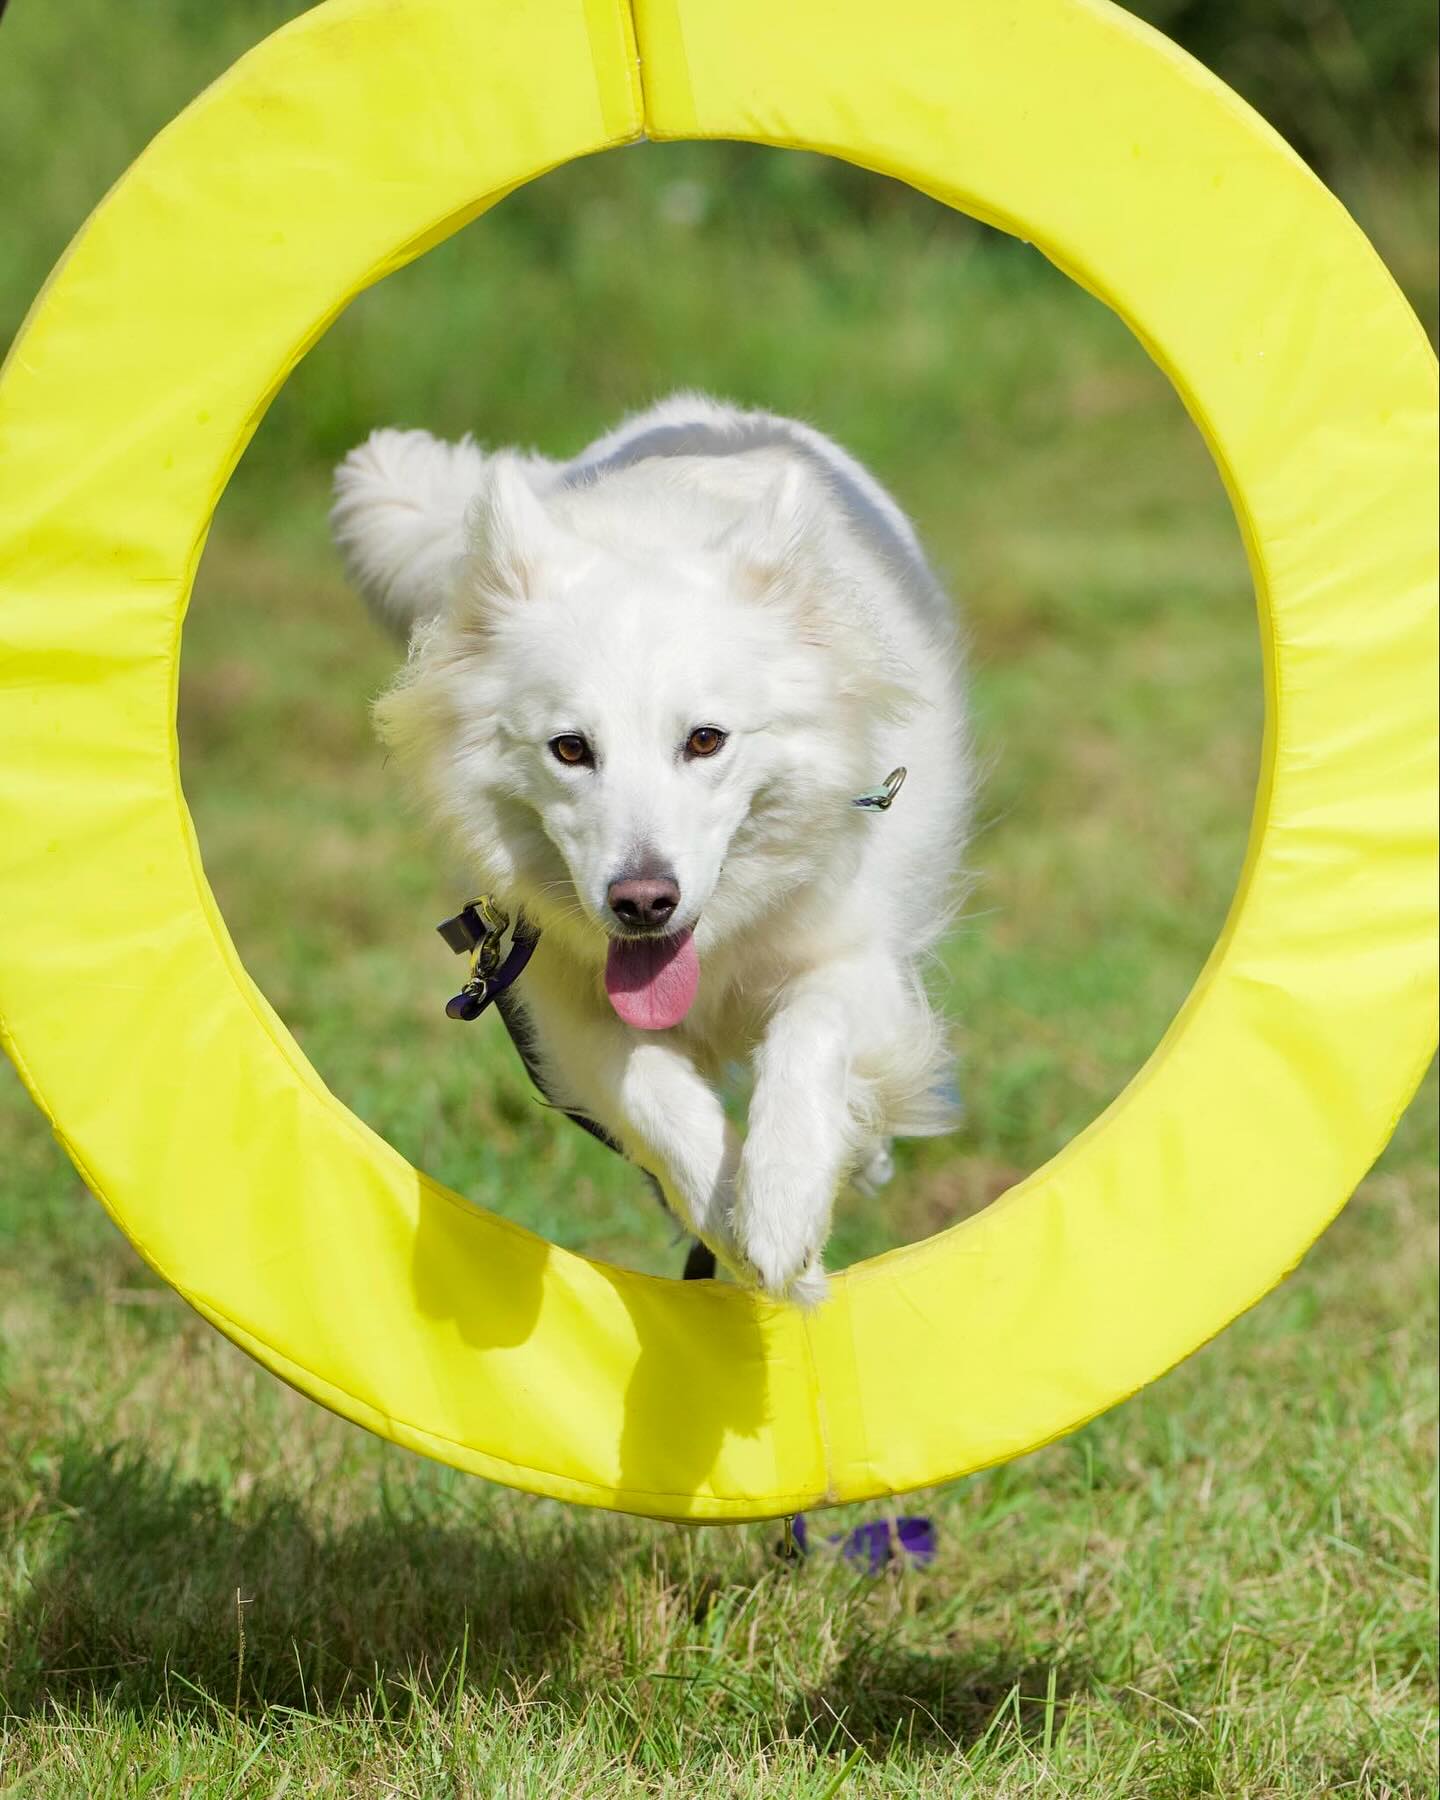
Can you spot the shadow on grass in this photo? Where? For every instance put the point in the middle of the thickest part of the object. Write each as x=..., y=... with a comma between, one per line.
x=883, y=1695
x=134, y=1603
x=138, y=1601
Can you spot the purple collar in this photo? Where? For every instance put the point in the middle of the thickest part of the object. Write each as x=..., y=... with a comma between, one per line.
x=478, y=928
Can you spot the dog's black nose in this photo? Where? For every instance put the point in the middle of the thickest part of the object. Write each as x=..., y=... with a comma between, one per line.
x=641, y=902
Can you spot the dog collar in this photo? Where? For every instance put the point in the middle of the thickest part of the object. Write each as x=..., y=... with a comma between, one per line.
x=478, y=928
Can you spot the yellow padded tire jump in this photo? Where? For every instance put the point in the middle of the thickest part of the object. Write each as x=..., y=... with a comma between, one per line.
x=344, y=146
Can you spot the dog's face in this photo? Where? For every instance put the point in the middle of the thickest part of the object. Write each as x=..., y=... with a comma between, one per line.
x=636, y=720
x=633, y=742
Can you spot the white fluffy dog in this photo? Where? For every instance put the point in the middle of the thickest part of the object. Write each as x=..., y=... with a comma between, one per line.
x=644, y=690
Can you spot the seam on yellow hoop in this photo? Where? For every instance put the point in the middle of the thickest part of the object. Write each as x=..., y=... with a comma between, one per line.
x=821, y=1408
x=611, y=28
x=665, y=69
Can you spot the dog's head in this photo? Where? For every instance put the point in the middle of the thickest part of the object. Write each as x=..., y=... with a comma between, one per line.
x=643, y=706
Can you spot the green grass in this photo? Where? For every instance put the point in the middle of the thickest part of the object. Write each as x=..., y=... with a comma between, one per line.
x=207, y=1586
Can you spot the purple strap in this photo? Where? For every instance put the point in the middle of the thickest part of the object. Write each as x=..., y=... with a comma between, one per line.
x=469, y=1005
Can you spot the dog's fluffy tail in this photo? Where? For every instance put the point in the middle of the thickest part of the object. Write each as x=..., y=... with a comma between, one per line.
x=399, y=519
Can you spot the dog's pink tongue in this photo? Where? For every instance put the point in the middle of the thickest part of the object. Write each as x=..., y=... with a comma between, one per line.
x=652, y=982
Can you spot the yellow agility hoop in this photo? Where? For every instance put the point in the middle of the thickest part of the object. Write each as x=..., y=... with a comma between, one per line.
x=344, y=146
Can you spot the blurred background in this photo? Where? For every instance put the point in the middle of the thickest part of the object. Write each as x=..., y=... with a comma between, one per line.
x=165, y=1506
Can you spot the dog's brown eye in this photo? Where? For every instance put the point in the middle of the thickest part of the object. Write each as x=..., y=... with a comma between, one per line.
x=704, y=740
x=571, y=749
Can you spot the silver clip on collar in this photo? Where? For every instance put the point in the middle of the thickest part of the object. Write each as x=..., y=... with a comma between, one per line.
x=880, y=799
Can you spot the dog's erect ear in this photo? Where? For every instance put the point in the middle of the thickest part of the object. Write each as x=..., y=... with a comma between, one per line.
x=788, y=553
x=774, y=546
x=510, y=532
x=401, y=502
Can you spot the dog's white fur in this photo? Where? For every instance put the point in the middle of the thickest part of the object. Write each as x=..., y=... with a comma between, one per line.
x=698, y=566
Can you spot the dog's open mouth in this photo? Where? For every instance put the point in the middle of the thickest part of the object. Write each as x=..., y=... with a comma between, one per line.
x=652, y=982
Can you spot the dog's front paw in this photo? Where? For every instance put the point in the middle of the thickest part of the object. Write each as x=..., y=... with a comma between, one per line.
x=780, y=1248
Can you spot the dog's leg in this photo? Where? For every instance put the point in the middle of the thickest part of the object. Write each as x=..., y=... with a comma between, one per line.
x=840, y=1043
x=651, y=1099
x=671, y=1121
x=852, y=1055
x=800, y=1138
